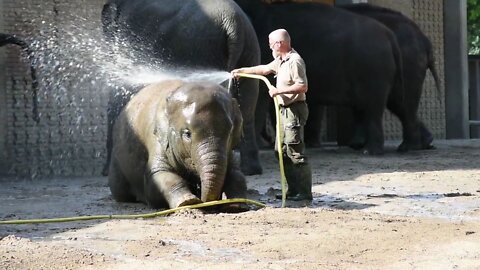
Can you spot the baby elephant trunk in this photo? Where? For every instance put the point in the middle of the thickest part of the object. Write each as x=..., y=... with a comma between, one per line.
x=212, y=170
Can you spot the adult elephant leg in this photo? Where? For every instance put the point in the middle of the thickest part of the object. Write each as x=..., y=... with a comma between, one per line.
x=269, y=132
x=344, y=120
x=359, y=137
x=119, y=186
x=313, y=127
x=112, y=114
x=413, y=102
x=410, y=126
x=235, y=185
x=426, y=136
x=116, y=101
x=404, y=104
x=262, y=113
x=247, y=98
x=374, y=129
x=168, y=188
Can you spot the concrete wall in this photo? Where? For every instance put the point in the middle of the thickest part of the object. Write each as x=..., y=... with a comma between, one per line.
x=69, y=139
x=3, y=101
x=456, y=66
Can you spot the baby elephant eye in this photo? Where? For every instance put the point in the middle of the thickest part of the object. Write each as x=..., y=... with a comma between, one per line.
x=186, y=134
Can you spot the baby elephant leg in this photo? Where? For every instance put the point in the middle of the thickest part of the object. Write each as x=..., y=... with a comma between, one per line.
x=171, y=188
x=235, y=185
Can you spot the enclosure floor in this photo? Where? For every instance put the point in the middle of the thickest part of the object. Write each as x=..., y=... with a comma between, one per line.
x=418, y=210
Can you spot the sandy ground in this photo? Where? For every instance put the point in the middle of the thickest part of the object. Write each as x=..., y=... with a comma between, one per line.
x=419, y=210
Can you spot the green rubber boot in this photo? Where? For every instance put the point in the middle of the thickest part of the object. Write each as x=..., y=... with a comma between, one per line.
x=303, y=183
x=299, y=180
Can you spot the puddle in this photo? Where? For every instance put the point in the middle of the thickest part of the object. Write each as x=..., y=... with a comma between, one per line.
x=398, y=202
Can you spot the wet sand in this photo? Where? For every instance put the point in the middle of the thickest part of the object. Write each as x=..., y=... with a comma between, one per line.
x=419, y=210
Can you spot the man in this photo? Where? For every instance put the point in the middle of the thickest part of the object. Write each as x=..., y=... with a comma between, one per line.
x=290, y=89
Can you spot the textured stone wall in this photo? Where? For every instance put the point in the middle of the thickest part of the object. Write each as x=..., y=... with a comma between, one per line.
x=3, y=101
x=69, y=139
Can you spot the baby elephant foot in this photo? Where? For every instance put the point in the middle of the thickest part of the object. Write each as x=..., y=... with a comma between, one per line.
x=372, y=151
x=234, y=208
x=183, y=200
x=252, y=168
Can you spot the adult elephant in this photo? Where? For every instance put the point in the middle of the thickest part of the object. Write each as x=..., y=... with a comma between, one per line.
x=351, y=60
x=6, y=39
x=173, y=146
x=417, y=58
x=193, y=34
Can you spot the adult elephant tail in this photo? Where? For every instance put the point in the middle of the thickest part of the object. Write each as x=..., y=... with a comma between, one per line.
x=399, y=78
x=6, y=39
x=433, y=69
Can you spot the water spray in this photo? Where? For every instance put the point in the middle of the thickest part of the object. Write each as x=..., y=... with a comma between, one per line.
x=279, y=132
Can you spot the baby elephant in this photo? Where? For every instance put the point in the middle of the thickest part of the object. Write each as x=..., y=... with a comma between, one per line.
x=172, y=146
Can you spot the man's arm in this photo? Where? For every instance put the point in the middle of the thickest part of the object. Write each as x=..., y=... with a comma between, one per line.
x=259, y=70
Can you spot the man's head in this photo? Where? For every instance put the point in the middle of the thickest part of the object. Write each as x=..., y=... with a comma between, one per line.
x=279, y=41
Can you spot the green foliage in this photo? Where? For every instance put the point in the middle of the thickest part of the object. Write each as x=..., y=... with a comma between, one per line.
x=473, y=26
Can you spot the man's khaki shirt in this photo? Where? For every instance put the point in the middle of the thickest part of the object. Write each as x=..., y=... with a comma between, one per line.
x=289, y=71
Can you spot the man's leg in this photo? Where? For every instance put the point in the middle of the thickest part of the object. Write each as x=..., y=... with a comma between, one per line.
x=297, y=170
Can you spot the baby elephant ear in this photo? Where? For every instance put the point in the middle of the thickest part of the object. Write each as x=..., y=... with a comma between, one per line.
x=237, y=123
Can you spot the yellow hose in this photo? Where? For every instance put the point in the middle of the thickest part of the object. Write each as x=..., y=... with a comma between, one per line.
x=279, y=132
x=134, y=216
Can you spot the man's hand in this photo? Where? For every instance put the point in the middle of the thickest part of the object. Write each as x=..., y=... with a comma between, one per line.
x=273, y=92
x=234, y=73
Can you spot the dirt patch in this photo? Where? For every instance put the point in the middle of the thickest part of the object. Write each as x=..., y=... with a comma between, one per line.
x=419, y=210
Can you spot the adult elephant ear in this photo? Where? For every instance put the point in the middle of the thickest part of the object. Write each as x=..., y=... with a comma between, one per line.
x=237, y=123
x=6, y=39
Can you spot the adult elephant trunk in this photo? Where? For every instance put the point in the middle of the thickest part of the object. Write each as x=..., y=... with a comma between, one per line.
x=6, y=39
x=212, y=167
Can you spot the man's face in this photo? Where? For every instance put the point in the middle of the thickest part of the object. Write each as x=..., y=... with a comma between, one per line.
x=275, y=47
x=273, y=44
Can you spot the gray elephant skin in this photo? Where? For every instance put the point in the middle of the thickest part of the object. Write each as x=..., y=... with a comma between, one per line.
x=193, y=34
x=6, y=39
x=417, y=58
x=352, y=60
x=172, y=146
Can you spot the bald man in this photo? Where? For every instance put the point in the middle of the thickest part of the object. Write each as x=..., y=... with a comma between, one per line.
x=291, y=87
